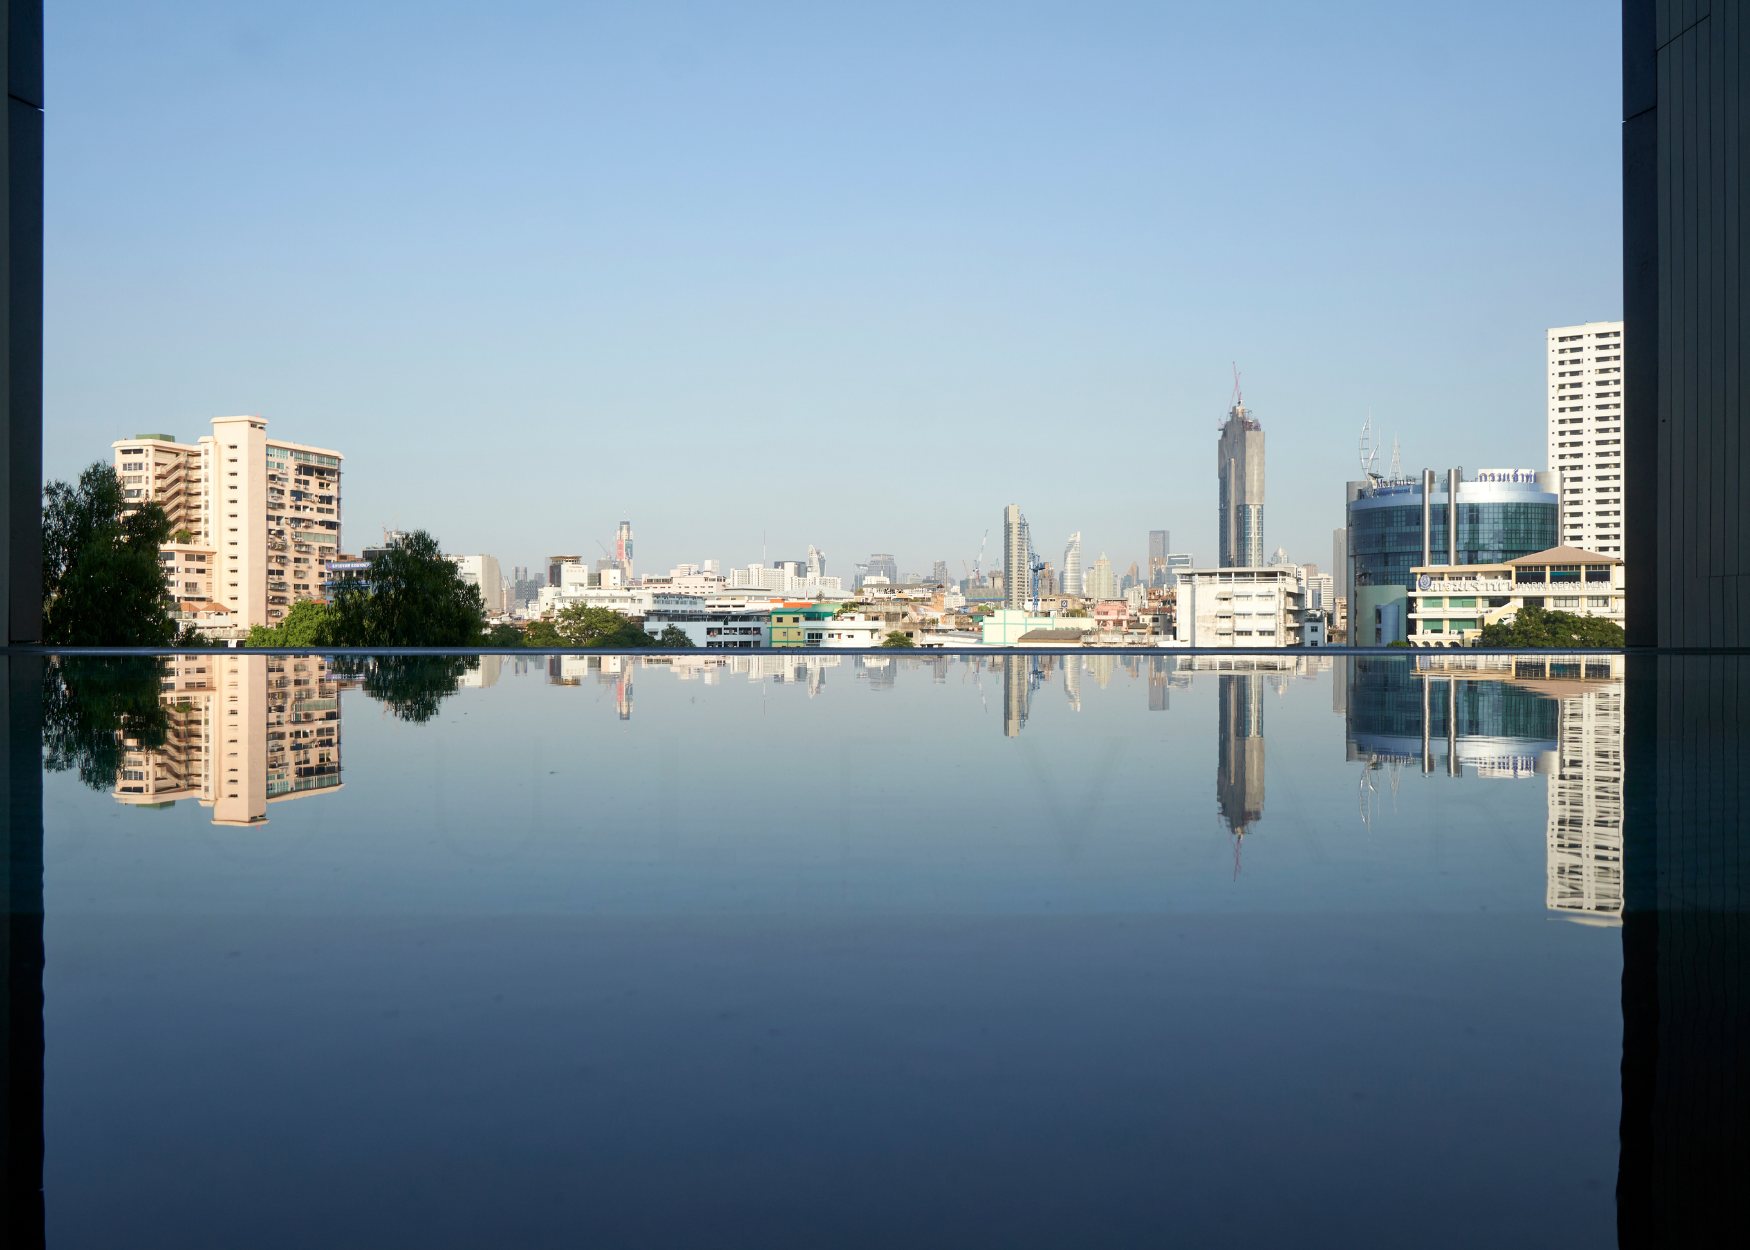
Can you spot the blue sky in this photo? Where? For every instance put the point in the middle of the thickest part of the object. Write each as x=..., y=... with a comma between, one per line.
x=854, y=276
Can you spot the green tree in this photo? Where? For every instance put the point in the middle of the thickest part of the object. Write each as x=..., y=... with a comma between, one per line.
x=674, y=636
x=103, y=585
x=581, y=626
x=306, y=624
x=412, y=687
x=897, y=639
x=1539, y=627
x=542, y=634
x=412, y=596
x=502, y=634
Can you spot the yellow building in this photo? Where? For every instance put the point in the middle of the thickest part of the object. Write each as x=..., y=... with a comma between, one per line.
x=1450, y=604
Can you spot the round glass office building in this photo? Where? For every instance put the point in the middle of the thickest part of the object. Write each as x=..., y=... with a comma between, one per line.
x=1510, y=514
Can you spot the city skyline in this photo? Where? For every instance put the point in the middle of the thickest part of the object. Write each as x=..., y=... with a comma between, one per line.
x=757, y=231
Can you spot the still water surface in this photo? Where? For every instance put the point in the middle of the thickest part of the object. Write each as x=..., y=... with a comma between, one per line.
x=1087, y=950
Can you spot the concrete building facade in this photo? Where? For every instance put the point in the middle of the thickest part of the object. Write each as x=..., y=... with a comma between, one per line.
x=266, y=512
x=483, y=571
x=1234, y=607
x=1017, y=559
x=1585, y=432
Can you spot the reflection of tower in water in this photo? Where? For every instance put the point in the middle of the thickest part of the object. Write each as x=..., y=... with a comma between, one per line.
x=1072, y=681
x=242, y=732
x=1585, y=805
x=1239, y=761
x=1017, y=687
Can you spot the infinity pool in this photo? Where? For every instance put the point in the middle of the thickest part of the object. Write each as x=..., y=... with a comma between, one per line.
x=846, y=950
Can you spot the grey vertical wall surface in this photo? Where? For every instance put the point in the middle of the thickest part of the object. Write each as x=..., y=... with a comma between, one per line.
x=21, y=337
x=1685, y=1130
x=1684, y=230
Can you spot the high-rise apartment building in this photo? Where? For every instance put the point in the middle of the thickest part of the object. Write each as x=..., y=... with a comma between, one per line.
x=1072, y=565
x=1099, y=582
x=484, y=572
x=1585, y=432
x=1017, y=559
x=1239, y=466
x=254, y=520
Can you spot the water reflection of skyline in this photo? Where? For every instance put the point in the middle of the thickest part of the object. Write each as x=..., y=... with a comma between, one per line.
x=242, y=732
x=1509, y=718
x=238, y=740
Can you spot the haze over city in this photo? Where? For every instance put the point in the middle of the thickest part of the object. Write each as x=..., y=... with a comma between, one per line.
x=849, y=280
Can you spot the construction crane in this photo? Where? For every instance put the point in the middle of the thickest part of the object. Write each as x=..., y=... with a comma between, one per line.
x=978, y=564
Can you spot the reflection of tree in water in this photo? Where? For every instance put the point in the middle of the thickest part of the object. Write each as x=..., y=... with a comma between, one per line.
x=411, y=686
x=93, y=707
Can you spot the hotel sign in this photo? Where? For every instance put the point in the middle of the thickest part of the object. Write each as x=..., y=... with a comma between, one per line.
x=1464, y=586
x=1526, y=477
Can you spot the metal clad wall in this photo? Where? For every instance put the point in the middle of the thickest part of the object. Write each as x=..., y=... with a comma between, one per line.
x=1640, y=291
x=1686, y=951
x=1683, y=241
x=21, y=335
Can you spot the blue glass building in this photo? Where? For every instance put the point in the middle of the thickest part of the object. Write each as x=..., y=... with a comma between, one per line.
x=1505, y=515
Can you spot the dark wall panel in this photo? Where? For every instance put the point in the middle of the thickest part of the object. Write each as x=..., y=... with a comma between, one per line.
x=1684, y=292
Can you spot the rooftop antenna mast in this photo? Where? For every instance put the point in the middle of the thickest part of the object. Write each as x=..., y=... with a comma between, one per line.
x=1369, y=451
x=1397, y=464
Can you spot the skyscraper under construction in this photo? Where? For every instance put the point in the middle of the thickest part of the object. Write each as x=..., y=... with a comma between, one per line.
x=1239, y=464
x=1017, y=559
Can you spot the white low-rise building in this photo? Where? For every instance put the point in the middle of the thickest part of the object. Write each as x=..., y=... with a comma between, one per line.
x=733, y=631
x=1240, y=607
x=853, y=630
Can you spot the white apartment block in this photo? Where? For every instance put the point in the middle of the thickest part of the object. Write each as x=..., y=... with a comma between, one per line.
x=1585, y=432
x=261, y=517
x=1585, y=803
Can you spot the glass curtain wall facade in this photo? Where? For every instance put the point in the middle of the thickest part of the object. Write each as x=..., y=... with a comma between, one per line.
x=1497, y=521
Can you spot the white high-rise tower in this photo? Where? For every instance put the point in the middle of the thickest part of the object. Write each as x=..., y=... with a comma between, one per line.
x=1585, y=432
x=1072, y=565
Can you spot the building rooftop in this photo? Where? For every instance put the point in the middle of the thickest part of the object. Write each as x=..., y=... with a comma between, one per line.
x=1565, y=555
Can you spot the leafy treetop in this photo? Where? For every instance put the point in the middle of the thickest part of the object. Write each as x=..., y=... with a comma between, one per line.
x=102, y=582
x=1540, y=627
